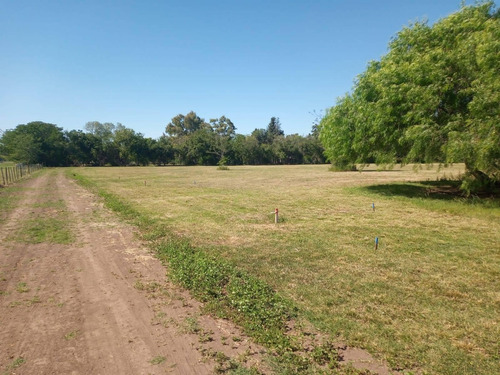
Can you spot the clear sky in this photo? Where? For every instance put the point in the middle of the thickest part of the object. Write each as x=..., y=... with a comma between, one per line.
x=142, y=62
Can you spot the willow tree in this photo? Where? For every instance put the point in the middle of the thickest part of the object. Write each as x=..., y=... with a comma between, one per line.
x=434, y=97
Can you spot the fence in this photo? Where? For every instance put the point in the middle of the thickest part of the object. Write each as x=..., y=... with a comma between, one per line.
x=13, y=174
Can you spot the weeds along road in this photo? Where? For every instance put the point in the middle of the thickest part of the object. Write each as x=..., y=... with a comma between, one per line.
x=80, y=295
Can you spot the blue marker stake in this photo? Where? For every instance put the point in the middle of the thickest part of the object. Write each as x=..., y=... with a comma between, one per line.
x=373, y=206
x=376, y=243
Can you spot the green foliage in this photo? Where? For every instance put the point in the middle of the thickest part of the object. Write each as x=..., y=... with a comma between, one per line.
x=81, y=147
x=326, y=354
x=161, y=151
x=102, y=150
x=158, y=360
x=22, y=287
x=33, y=143
x=195, y=142
x=433, y=98
x=224, y=131
x=222, y=164
x=274, y=129
x=71, y=335
x=189, y=141
x=184, y=125
x=47, y=229
x=9, y=199
x=110, y=144
x=16, y=363
x=247, y=300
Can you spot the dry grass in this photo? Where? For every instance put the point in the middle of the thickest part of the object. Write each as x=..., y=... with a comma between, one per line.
x=428, y=298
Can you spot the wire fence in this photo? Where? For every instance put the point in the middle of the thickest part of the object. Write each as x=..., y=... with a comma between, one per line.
x=17, y=172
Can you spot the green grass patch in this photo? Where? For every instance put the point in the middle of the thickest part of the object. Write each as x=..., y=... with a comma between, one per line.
x=57, y=204
x=51, y=230
x=49, y=222
x=6, y=164
x=9, y=199
x=22, y=287
x=229, y=293
x=158, y=360
x=71, y=335
x=16, y=363
x=428, y=299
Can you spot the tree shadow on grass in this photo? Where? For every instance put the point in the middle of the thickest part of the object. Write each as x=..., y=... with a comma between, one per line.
x=434, y=191
x=427, y=189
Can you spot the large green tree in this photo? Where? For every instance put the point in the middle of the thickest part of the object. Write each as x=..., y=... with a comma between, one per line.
x=224, y=131
x=191, y=138
x=80, y=147
x=161, y=150
x=103, y=150
x=274, y=129
x=185, y=124
x=35, y=142
x=132, y=147
x=434, y=97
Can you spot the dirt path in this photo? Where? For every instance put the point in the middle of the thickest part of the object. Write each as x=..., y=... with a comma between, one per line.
x=95, y=301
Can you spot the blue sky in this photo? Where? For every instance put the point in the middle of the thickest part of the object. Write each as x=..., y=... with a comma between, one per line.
x=142, y=62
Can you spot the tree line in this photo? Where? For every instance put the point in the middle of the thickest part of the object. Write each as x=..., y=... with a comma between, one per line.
x=188, y=140
x=433, y=98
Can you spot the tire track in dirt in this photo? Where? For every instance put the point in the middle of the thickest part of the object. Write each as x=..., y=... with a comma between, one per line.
x=100, y=305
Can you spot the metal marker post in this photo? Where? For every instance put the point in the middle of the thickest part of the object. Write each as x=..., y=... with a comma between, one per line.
x=276, y=218
x=376, y=243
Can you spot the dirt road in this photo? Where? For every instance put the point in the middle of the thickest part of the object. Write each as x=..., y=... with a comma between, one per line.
x=88, y=298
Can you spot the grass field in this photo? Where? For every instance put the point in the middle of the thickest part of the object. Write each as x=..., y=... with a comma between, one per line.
x=427, y=300
x=8, y=200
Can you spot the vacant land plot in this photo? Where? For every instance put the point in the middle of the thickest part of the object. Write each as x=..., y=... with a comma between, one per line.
x=427, y=300
x=79, y=294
